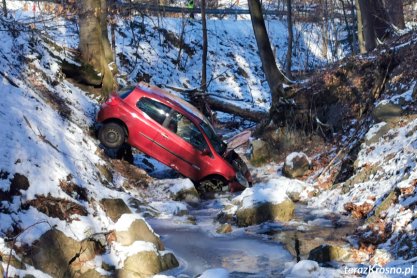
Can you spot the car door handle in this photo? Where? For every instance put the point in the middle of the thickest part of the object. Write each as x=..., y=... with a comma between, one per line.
x=164, y=135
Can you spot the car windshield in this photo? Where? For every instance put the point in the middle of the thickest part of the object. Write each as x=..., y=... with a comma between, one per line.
x=215, y=140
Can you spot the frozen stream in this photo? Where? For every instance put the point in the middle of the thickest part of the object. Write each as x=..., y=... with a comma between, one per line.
x=198, y=248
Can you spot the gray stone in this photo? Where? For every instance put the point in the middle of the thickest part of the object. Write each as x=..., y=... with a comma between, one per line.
x=374, y=138
x=327, y=253
x=168, y=261
x=386, y=112
x=114, y=208
x=296, y=165
x=260, y=152
x=105, y=173
x=138, y=230
x=283, y=211
x=189, y=195
x=58, y=255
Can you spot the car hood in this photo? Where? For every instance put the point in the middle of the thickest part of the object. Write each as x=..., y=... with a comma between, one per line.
x=238, y=140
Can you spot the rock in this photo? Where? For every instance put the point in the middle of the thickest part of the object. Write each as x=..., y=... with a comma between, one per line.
x=169, y=261
x=385, y=204
x=19, y=182
x=138, y=230
x=376, y=133
x=283, y=211
x=114, y=208
x=260, y=152
x=224, y=229
x=92, y=273
x=326, y=253
x=104, y=173
x=145, y=264
x=387, y=111
x=60, y=256
x=189, y=195
x=14, y=261
x=296, y=165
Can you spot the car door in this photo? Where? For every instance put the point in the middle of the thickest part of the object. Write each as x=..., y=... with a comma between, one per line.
x=149, y=127
x=188, y=150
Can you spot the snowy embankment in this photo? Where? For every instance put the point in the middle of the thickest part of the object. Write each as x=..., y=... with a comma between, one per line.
x=55, y=184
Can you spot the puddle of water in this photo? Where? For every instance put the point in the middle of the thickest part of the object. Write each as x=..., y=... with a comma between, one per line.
x=243, y=256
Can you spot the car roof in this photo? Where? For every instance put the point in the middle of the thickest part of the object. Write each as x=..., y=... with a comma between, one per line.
x=171, y=98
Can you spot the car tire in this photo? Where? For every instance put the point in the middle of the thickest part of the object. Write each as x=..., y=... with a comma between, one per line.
x=112, y=135
x=211, y=185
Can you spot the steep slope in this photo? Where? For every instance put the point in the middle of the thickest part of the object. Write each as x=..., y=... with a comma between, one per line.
x=63, y=210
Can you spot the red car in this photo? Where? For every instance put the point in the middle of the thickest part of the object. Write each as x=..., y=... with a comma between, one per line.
x=175, y=133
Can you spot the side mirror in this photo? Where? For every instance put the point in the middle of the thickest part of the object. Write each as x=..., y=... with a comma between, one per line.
x=206, y=152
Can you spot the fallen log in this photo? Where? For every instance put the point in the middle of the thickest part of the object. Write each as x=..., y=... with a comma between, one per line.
x=231, y=108
x=216, y=103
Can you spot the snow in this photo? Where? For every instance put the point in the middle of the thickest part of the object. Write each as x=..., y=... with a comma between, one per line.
x=215, y=273
x=169, y=208
x=289, y=159
x=273, y=191
x=374, y=130
x=179, y=185
x=119, y=253
x=126, y=220
x=310, y=269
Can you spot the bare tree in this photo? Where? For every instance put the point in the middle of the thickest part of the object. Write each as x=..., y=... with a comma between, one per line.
x=273, y=76
x=4, y=8
x=361, y=40
x=205, y=46
x=395, y=10
x=94, y=44
x=290, y=40
x=375, y=22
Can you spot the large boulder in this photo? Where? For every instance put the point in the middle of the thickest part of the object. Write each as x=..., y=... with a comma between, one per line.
x=263, y=212
x=60, y=256
x=296, y=165
x=260, y=151
x=145, y=264
x=386, y=111
x=376, y=132
x=114, y=208
x=138, y=230
x=327, y=253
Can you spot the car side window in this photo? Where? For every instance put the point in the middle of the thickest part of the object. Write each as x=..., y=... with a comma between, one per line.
x=187, y=130
x=154, y=109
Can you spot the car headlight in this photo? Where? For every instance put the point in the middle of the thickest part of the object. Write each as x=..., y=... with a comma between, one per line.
x=241, y=179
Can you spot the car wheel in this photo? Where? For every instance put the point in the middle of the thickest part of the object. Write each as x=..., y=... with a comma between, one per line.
x=211, y=185
x=112, y=135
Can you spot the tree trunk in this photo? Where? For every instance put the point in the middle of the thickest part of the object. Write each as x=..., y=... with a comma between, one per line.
x=350, y=37
x=368, y=27
x=290, y=40
x=361, y=39
x=273, y=76
x=4, y=8
x=220, y=105
x=108, y=54
x=395, y=10
x=93, y=43
x=205, y=46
